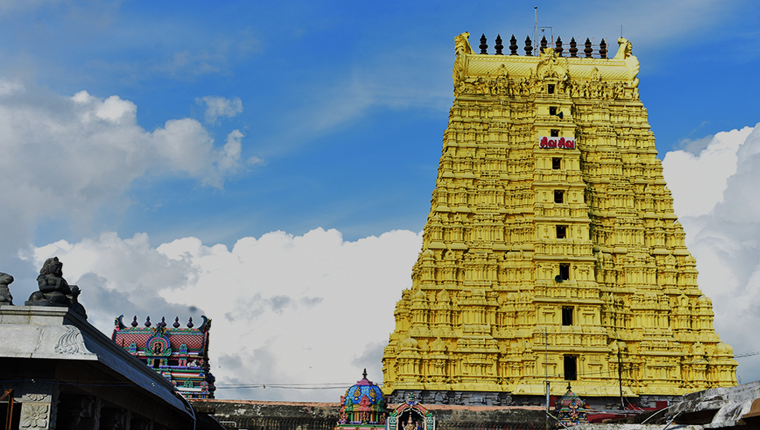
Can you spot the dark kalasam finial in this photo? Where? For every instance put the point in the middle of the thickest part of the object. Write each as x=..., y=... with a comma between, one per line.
x=573, y=48
x=134, y=322
x=498, y=45
x=543, y=44
x=190, y=323
x=513, y=45
x=588, y=50
x=163, y=322
x=176, y=322
x=528, y=47
x=364, y=375
x=558, y=46
x=602, y=49
x=483, y=45
x=147, y=322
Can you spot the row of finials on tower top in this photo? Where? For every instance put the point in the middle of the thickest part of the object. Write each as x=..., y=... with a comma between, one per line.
x=162, y=324
x=588, y=48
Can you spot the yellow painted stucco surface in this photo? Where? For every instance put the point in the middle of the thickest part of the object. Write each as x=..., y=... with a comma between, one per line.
x=485, y=309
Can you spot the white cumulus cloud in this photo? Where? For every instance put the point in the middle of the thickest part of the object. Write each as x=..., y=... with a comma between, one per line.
x=67, y=157
x=716, y=199
x=700, y=180
x=10, y=87
x=309, y=309
x=219, y=106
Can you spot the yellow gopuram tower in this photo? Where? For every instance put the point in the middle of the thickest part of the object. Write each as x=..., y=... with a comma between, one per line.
x=551, y=251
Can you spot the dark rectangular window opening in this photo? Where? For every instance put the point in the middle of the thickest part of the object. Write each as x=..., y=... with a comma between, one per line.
x=564, y=271
x=554, y=133
x=550, y=88
x=556, y=163
x=552, y=110
x=559, y=196
x=561, y=231
x=567, y=315
x=571, y=372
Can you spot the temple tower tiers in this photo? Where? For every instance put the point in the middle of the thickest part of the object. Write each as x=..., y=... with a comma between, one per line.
x=551, y=250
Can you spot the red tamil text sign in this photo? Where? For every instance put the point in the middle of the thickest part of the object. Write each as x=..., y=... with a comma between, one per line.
x=556, y=142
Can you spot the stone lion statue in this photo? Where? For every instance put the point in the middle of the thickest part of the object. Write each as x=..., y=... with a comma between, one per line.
x=6, y=299
x=54, y=290
x=462, y=44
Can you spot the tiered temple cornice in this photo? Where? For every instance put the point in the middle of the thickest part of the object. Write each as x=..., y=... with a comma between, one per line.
x=551, y=250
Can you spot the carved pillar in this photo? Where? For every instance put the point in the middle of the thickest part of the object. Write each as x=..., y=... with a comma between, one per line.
x=39, y=405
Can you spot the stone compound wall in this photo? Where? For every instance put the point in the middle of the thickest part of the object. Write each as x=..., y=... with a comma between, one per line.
x=259, y=415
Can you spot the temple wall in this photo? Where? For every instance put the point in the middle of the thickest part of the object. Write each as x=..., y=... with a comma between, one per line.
x=60, y=372
x=323, y=416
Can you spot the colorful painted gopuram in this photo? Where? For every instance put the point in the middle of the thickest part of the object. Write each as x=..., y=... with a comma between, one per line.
x=363, y=407
x=570, y=410
x=179, y=354
x=551, y=250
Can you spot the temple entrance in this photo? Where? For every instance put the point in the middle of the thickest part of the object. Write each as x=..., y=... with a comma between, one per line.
x=411, y=415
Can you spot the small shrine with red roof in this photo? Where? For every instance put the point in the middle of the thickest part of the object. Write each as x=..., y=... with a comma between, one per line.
x=179, y=354
x=363, y=406
x=411, y=415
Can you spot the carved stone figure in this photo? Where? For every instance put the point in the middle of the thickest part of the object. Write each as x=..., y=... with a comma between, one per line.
x=6, y=299
x=462, y=44
x=625, y=49
x=596, y=76
x=54, y=290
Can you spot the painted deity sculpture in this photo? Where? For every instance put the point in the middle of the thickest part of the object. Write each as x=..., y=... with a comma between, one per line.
x=411, y=415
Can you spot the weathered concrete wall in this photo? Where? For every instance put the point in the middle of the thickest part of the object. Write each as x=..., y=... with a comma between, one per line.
x=250, y=414
x=633, y=427
x=487, y=414
x=261, y=409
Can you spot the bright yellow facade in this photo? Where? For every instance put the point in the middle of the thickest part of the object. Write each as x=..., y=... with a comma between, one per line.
x=570, y=239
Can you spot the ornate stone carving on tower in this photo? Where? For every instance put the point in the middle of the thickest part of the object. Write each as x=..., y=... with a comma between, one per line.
x=551, y=251
x=179, y=354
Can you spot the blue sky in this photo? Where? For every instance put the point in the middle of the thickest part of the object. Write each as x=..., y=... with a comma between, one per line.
x=329, y=115
x=340, y=90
